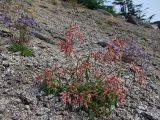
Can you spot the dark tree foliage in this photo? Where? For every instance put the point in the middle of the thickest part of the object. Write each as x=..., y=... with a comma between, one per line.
x=92, y=4
x=98, y=4
x=111, y=10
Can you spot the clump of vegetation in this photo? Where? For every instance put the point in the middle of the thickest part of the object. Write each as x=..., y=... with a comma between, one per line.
x=73, y=2
x=112, y=21
x=91, y=4
x=135, y=55
x=110, y=9
x=21, y=25
x=76, y=81
x=23, y=49
x=19, y=20
x=94, y=4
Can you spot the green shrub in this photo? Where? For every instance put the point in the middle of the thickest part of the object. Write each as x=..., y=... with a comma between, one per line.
x=91, y=4
x=110, y=9
x=112, y=21
x=25, y=51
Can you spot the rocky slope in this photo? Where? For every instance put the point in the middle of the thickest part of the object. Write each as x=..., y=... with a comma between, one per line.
x=20, y=97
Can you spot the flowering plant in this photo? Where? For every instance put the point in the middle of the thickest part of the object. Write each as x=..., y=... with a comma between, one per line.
x=91, y=83
x=51, y=80
x=19, y=21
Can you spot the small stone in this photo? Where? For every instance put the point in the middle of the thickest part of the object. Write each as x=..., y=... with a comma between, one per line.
x=154, y=64
x=27, y=99
x=42, y=111
x=56, y=117
x=2, y=108
x=5, y=64
x=144, y=108
x=147, y=116
x=1, y=117
x=102, y=44
x=158, y=107
x=127, y=77
x=27, y=107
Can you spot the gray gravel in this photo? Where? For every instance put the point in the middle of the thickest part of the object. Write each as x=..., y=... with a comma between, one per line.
x=20, y=97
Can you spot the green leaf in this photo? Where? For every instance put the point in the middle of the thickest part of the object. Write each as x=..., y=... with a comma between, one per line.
x=25, y=51
x=87, y=74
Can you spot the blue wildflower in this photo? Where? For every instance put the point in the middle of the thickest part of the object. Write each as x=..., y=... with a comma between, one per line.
x=19, y=20
x=2, y=17
x=126, y=50
x=24, y=17
x=29, y=23
x=26, y=20
x=5, y=20
x=141, y=51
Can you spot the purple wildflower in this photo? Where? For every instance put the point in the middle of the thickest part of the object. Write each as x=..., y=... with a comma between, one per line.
x=115, y=48
x=5, y=20
x=134, y=51
x=19, y=20
x=29, y=23
x=2, y=18
x=26, y=20
x=141, y=51
x=126, y=50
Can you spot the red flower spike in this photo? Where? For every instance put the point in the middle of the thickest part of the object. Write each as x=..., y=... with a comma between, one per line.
x=89, y=97
x=64, y=97
x=66, y=45
x=53, y=68
x=60, y=72
x=86, y=104
x=75, y=101
x=79, y=35
x=72, y=28
x=38, y=77
x=69, y=99
x=98, y=72
x=135, y=69
x=141, y=79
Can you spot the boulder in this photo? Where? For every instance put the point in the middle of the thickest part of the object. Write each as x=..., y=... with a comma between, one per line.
x=133, y=20
x=154, y=26
x=157, y=23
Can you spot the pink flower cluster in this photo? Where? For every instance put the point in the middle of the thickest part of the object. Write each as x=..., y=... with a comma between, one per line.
x=111, y=86
x=89, y=83
x=113, y=51
x=138, y=73
x=48, y=74
x=66, y=45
